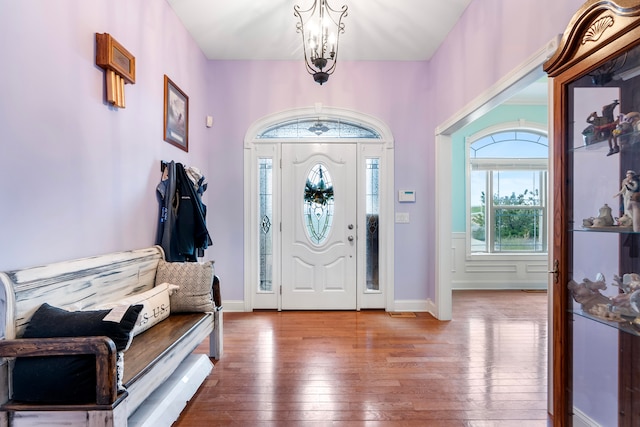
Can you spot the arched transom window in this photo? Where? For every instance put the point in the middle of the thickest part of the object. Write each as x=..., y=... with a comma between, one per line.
x=315, y=128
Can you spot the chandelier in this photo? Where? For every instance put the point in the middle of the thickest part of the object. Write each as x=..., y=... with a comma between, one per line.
x=320, y=26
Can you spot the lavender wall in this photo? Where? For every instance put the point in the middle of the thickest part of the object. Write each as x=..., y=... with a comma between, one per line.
x=78, y=177
x=492, y=38
x=245, y=91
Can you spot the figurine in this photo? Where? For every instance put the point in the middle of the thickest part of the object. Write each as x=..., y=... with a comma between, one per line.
x=630, y=184
x=627, y=124
x=625, y=221
x=629, y=297
x=604, y=219
x=588, y=293
x=601, y=127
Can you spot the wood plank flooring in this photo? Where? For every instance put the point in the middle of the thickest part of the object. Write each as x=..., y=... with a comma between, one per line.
x=486, y=367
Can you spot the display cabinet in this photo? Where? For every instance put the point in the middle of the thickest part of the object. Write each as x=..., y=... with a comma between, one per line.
x=596, y=198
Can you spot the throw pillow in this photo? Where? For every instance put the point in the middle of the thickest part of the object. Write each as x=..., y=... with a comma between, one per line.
x=195, y=280
x=68, y=379
x=155, y=306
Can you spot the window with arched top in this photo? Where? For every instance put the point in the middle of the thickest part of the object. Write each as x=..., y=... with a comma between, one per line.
x=315, y=128
x=265, y=191
x=507, y=191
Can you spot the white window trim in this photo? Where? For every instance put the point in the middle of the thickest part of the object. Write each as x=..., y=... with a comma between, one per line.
x=520, y=125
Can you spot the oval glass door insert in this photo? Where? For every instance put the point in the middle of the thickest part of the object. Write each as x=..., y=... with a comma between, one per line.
x=318, y=204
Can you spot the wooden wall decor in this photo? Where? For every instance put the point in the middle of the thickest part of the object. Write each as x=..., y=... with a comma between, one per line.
x=119, y=64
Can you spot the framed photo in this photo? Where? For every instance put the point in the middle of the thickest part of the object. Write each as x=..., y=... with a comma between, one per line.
x=176, y=115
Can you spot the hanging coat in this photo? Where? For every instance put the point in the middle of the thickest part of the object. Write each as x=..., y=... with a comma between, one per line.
x=182, y=231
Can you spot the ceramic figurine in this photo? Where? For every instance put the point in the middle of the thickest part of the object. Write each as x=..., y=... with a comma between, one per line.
x=625, y=221
x=630, y=184
x=588, y=293
x=627, y=124
x=600, y=127
x=604, y=219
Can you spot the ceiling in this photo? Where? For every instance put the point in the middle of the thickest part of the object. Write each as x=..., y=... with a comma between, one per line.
x=375, y=30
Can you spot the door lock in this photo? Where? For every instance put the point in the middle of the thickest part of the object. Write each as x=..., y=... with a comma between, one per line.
x=350, y=226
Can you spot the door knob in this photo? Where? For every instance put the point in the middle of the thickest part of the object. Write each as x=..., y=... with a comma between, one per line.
x=350, y=238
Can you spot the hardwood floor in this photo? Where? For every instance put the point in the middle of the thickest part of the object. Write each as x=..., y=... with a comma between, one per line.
x=486, y=367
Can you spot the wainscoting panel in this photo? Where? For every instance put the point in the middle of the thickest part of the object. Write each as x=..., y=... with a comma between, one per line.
x=496, y=272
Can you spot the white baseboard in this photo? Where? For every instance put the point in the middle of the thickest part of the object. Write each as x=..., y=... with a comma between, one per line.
x=426, y=306
x=233, y=305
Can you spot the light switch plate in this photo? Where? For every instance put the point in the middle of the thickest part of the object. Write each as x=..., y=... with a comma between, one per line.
x=402, y=217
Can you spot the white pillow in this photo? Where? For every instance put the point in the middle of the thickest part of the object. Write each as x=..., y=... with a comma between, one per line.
x=155, y=306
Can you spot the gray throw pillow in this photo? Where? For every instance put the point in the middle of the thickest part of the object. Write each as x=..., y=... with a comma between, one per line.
x=195, y=280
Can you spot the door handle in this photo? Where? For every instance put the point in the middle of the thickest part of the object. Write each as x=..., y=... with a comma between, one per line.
x=350, y=238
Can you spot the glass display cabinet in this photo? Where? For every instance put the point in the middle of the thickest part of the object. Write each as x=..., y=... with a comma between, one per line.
x=596, y=198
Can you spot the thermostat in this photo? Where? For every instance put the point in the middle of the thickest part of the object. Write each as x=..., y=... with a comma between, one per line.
x=405, y=196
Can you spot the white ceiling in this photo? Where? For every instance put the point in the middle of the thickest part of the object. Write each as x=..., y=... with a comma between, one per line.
x=375, y=30
x=378, y=30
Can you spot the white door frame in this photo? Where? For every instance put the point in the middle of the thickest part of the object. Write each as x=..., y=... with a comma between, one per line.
x=521, y=77
x=518, y=79
x=255, y=148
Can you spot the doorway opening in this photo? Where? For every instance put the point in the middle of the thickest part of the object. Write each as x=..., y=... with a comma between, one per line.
x=318, y=226
x=522, y=77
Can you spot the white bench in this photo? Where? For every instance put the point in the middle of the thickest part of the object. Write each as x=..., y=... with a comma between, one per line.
x=161, y=372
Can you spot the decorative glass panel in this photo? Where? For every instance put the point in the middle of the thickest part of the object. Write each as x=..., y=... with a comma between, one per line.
x=373, y=221
x=318, y=204
x=265, y=169
x=511, y=144
x=315, y=128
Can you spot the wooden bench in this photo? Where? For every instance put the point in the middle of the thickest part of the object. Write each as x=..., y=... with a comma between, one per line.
x=161, y=373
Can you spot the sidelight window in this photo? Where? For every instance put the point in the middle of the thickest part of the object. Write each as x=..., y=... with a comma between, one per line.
x=265, y=223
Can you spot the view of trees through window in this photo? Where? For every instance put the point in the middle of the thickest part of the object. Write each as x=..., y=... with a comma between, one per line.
x=511, y=166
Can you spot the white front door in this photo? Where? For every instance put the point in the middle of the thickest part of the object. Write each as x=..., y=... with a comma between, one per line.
x=319, y=226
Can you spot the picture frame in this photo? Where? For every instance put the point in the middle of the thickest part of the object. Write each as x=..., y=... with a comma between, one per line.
x=176, y=115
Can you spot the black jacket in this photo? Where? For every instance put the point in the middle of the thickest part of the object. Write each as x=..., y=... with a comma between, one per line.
x=182, y=230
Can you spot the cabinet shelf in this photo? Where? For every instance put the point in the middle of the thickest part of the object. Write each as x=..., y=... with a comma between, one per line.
x=612, y=229
x=630, y=326
x=626, y=141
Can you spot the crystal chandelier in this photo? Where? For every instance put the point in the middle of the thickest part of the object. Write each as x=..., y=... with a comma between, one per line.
x=320, y=26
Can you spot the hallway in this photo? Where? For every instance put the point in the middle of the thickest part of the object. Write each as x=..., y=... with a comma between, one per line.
x=486, y=367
